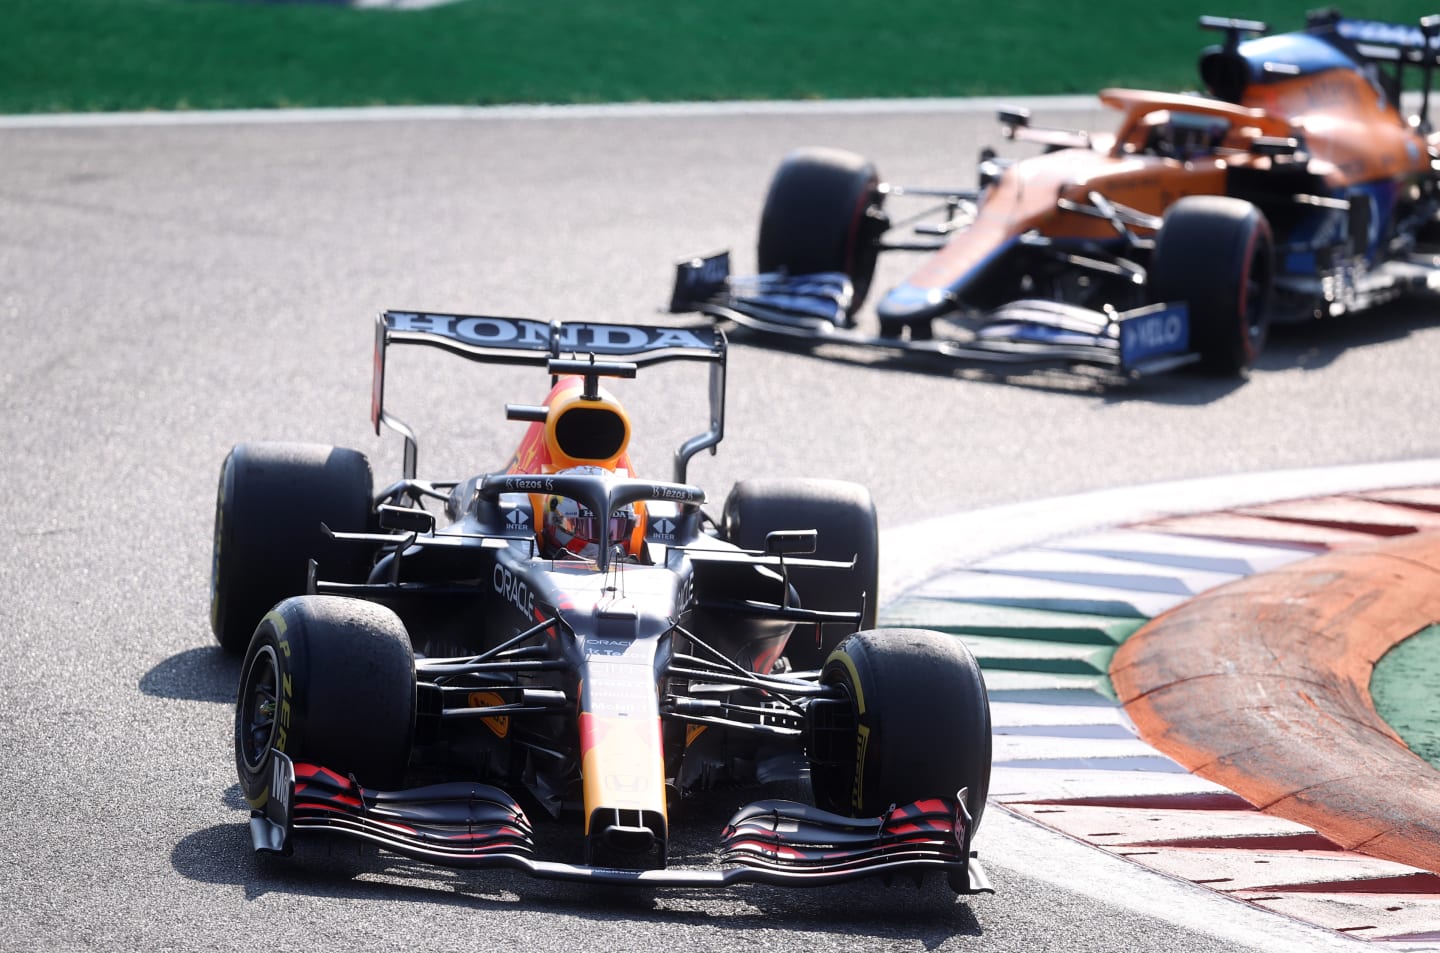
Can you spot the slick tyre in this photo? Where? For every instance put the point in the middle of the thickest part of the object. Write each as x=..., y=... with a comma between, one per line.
x=1216, y=253
x=843, y=516
x=824, y=212
x=329, y=681
x=269, y=506
x=912, y=722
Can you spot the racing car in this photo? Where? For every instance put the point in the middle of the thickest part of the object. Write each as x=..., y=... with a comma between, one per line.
x=440, y=666
x=1293, y=187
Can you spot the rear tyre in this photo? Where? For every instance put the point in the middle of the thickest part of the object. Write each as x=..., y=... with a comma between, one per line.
x=914, y=723
x=824, y=212
x=268, y=510
x=1217, y=254
x=330, y=681
x=843, y=514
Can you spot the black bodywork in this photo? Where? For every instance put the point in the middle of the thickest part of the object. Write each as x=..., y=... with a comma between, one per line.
x=609, y=688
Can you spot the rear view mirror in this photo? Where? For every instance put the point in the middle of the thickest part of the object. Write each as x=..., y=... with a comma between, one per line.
x=406, y=519
x=1014, y=117
x=792, y=542
x=1274, y=146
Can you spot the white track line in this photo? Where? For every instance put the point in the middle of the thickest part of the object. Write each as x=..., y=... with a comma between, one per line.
x=531, y=112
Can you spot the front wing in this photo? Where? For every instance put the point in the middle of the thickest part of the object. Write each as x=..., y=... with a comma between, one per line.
x=1031, y=332
x=473, y=825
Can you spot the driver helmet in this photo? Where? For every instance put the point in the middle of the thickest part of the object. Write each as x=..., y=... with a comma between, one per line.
x=571, y=530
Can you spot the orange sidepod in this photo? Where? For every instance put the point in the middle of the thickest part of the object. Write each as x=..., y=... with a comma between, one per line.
x=1347, y=123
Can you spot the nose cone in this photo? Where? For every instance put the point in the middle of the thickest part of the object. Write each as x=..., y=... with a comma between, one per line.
x=907, y=302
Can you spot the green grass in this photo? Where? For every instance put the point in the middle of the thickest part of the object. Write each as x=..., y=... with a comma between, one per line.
x=80, y=55
x=1404, y=686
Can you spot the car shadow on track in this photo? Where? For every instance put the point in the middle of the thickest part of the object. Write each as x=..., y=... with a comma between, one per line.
x=335, y=869
x=1180, y=387
x=1314, y=344
x=197, y=675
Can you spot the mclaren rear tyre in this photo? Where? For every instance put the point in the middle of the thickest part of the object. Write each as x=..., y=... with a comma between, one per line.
x=329, y=681
x=824, y=212
x=268, y=510
x=843, y=516
x=912, y=721
x=1217, y=254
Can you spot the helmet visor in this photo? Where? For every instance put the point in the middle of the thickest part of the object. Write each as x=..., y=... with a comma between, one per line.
x=587, y=527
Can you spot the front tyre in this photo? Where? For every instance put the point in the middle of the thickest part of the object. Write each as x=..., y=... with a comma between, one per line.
x=910, y=720
x=824, y=212
x=329, y=681
x=269, y=506
x=1216, y=253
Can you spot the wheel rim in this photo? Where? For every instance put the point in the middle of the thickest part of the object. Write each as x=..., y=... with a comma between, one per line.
x=259, y=702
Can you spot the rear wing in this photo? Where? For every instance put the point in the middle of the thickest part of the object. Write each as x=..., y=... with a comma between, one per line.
x=1395, y=44
x=555, y=345
x=1376, y=39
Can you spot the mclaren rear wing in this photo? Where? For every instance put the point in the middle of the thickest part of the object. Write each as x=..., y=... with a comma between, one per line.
x=1376, y=39
x=561, y=346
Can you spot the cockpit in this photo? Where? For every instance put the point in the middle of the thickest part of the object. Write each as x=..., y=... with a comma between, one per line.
x=1173, y=134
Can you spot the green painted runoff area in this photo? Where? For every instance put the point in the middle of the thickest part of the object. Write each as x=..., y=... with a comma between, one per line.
x=85, y=55
x=1405, y=686
x=1022, y=648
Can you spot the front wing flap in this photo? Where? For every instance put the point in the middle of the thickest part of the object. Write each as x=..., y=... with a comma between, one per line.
x=795, y=842
x=1143, y=341
x=442, y=823
x=472, y=825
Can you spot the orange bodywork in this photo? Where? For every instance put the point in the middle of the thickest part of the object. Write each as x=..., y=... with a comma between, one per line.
x=1348, y=129
x=622, y=764
x=1347, y=124
x=1026, y=198
x=540, y=452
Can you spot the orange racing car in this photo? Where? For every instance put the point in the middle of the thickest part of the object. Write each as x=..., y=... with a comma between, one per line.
x=1295, y=186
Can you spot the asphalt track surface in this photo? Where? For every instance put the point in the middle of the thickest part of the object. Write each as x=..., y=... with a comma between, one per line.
x=170, y=290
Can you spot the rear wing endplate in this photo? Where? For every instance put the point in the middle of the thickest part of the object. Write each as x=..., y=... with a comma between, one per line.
x=501, y=340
